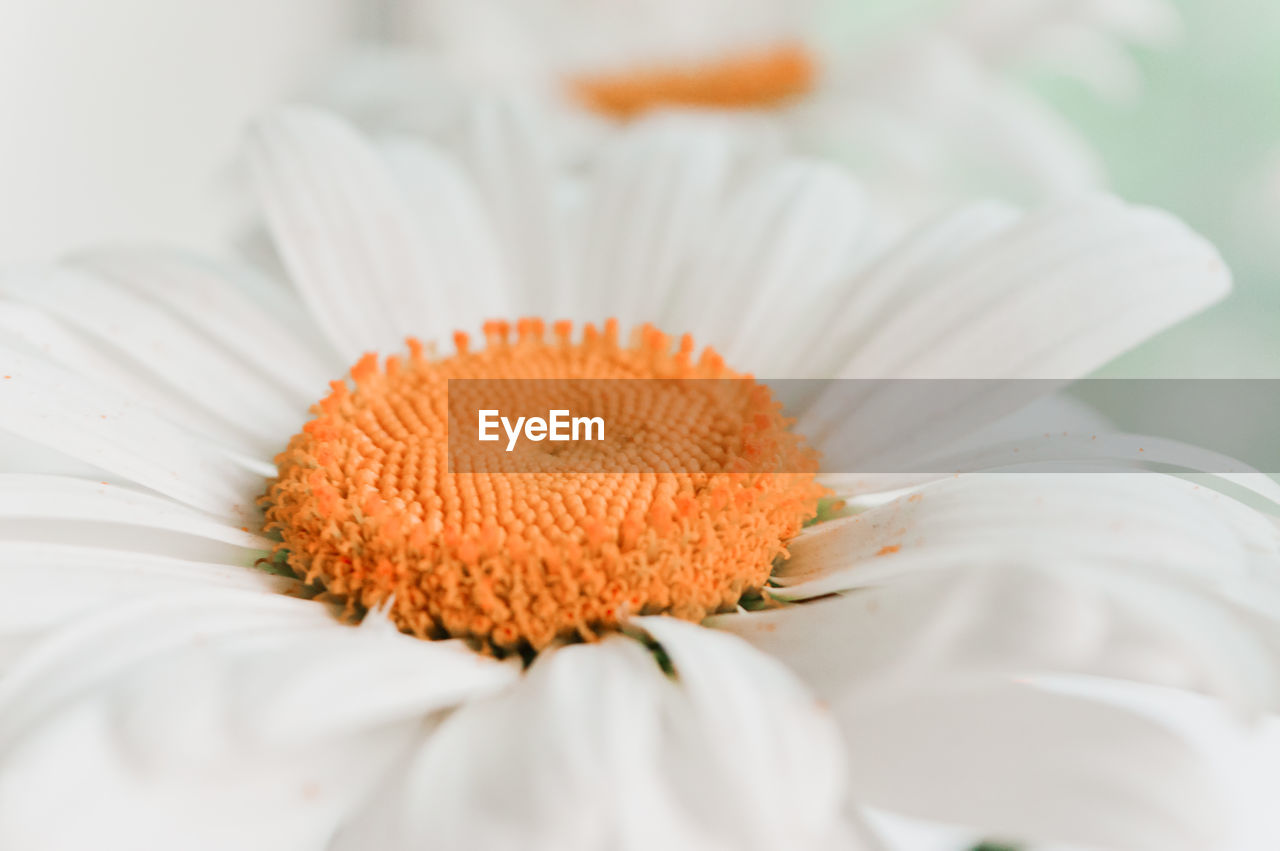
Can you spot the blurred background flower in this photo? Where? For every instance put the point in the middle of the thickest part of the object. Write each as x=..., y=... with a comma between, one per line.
x=1176, y=97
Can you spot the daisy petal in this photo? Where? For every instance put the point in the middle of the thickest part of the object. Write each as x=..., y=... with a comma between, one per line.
x=1132, y=520
x=484, y=779
x=1055, y=296
x=1081, y=451
x=50, y=407
x=69, y=500
x=218, y=721
x=786, y=243
x=899, y=275
x=708, y=666
x=1018, y=620
x=31, y=330
x=1038, y=766
x=508, y=152
x=928, y=124
x=994, y=27
x=1093, y=58
x=1086, y=41
x=469, y=276
x=192, y=369
x=347, y=235
x=216, y=300
x=53, y=584
x=1140, y=576
x=646, y=761
x=657, y=192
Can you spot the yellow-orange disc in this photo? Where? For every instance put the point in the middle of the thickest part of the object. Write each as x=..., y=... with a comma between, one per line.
x=366, y=505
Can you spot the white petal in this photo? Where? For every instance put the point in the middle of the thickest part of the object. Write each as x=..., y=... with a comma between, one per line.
x=1017, y=620
x=348, y=237
x=184, y=367
x=1017, y=761
x=928, y=126
x=1095, y=59
x=54, y=584
x=218, y=300
x=910, y=443
x=1140, y=576
x=19, y=455
x=1124, y=520
x=1145, y=21
x=784, y=247
x=1056, y=296
x=535, y=767
x=510, y=154
x=900, y=275
x=657, y=191
x=1000, y=25
x=219, y=721
x=68, y=500
x=1083, y=452
x=597, y=748
x=469, y=275
x=823, y=235
x=1085, y=40
x=1053, y=296
x=720, y=698
x=32, y=331
x=48, y=406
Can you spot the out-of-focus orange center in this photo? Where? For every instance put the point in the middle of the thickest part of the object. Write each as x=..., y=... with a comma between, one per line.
x=367, y=507
x=757, y=79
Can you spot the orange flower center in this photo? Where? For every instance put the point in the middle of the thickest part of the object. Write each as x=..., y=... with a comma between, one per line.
x=366, y=504
x=757, y=79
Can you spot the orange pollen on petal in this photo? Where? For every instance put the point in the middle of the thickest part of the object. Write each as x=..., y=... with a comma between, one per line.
x=760, y=78
x=367, y=507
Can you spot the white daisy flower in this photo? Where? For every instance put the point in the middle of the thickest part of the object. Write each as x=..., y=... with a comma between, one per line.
x=1074, y=659
x=924, y=109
